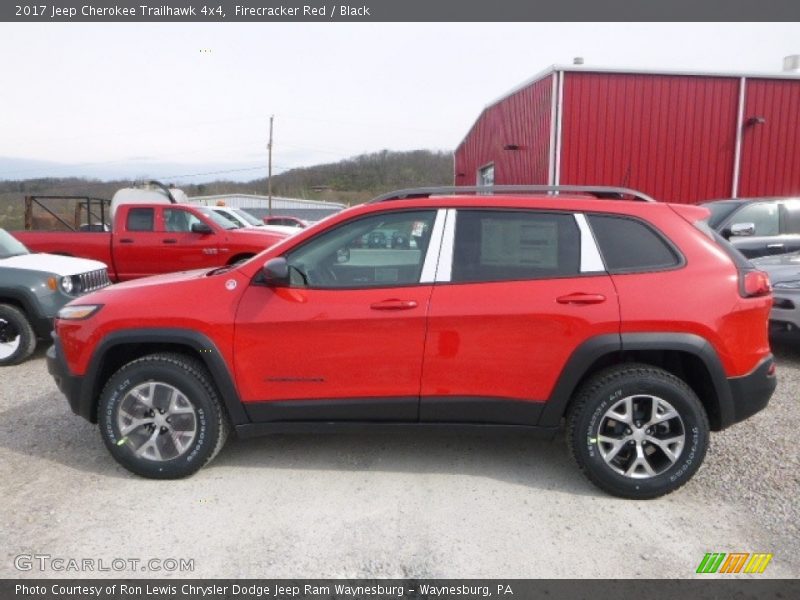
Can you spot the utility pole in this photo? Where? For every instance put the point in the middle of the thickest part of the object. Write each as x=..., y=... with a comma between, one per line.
x=269, y=169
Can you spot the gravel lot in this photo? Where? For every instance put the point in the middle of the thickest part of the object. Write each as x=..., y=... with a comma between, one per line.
x=366, y=505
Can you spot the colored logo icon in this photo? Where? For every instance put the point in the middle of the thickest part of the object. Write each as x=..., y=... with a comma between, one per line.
x=735, y=562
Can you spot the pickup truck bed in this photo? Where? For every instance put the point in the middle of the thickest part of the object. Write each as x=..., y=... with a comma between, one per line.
x=149, y=239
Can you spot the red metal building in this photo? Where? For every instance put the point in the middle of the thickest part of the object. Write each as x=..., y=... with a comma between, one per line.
x=677, y=136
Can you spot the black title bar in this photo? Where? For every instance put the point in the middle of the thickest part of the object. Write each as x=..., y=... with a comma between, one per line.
x=399, y=10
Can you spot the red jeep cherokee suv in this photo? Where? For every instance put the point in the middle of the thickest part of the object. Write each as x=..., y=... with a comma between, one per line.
x=630, y=321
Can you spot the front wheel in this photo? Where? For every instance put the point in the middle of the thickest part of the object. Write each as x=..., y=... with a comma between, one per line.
x=637, y=431
x=160, y=416
x=17, y=338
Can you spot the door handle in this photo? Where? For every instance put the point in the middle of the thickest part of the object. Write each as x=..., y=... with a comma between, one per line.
x=170, y=241
x=393, y=305
x=581, y=298
x=126, y=241
x=774, y=246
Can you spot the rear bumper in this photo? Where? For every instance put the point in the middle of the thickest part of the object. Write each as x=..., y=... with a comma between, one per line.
x=750, y=393
x=70, y=385
x=785, y=315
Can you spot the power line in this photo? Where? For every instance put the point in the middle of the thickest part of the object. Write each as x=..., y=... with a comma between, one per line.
x=89, y=184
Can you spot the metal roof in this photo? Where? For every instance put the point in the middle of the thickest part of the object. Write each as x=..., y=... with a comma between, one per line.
x=637, y=71
x=791, y=75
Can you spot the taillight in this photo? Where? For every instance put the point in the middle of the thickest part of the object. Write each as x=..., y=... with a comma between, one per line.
x=754, y=283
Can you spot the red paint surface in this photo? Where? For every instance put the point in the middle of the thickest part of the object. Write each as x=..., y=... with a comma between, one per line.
x=670, y=136
x=509, y=339
x=146, y=253
x=771, y=150
x=522, y=119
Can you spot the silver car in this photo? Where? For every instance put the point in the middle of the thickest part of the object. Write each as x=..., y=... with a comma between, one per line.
x=784, y=274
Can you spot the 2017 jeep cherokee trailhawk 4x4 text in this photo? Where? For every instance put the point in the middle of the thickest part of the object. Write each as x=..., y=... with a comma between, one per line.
x=630, y=321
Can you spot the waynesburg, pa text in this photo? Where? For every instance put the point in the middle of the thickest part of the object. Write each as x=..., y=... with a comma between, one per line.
x=267, y=591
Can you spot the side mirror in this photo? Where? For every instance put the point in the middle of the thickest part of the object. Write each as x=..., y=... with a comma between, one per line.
x=276, y=272
x=743, y=229
x=201, y=228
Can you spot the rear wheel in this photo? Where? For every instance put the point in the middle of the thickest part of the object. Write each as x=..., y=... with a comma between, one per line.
x=17, y=338
x=637, y=431
x=160, y=416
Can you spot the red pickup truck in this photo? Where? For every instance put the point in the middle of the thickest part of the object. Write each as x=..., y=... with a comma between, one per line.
x=147, y=239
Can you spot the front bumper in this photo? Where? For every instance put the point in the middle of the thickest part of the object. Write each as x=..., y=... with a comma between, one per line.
x=750, y=393
x=70, y=385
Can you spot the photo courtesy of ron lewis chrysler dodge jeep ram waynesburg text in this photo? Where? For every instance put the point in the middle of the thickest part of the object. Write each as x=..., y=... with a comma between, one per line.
x=628, y=321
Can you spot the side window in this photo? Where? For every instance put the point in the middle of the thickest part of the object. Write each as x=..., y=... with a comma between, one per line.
x=792, y=216
x=765, y=216
x=140, y=219
x=384, y=250
x=178, y=220
x=630, y=245
x=512, y=245
x=486, y=175
x=228, y=217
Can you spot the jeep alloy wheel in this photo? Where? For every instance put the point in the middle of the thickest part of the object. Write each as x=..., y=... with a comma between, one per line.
x=637, y=431
x=157, y=420
x=641, y=436
x=160, y=416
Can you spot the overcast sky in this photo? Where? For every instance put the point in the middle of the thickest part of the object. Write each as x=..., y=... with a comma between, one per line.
x=202, y=93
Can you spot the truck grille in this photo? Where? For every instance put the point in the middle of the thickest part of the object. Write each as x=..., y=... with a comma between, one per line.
x=93, y=280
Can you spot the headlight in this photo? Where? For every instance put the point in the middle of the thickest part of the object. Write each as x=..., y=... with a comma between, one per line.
x=787, y=285
x=77, y=312
x=66, y=284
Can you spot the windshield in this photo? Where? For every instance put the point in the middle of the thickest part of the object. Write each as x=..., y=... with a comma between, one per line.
x=719, y=211
x=217, y=218
x=248, y=217
x=237, y=223
x=10, y=246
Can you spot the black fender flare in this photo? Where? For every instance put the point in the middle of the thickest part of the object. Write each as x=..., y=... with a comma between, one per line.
x=204, y=346
x=598, y=347
x=41, y=324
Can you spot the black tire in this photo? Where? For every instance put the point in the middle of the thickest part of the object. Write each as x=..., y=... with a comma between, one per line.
x=620, y=472
x=17, y=332
x=121, y=399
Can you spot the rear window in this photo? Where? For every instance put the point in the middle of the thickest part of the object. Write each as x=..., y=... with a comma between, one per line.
x=628, y=245
x=140, y=219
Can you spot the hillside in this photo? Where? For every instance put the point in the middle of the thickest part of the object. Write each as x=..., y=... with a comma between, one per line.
x=351, y=181
x=362, y=177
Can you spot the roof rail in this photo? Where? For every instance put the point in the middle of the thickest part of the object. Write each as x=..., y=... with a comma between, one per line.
x=598, y=191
